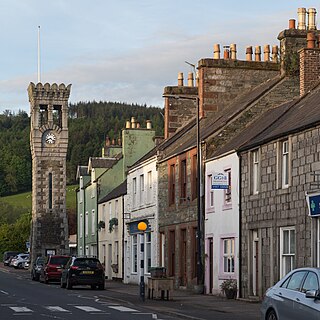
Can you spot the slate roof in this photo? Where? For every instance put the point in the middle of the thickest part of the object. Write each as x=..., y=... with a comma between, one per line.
x=117, y=192
x=210, y=125
x=304, y=113
x=100, y=162
x=82, y=171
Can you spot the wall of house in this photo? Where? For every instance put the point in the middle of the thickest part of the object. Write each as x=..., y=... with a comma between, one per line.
x=221, y=223
x=111, y=243
x=265, y=214
x=142, y=205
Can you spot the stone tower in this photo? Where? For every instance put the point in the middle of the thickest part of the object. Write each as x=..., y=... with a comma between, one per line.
x=49, y=143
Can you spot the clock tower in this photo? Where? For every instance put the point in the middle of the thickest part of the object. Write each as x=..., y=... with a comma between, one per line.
x=49, y=143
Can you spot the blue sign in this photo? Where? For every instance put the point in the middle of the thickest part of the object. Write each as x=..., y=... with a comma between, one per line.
x=220, y=181
x=314, y=204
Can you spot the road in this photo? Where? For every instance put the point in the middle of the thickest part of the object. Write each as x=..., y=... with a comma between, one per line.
x=25, y=299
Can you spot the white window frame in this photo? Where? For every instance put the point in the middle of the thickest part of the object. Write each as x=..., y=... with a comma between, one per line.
x=255, y=171
x=81, y=226
x=149, y=187
x=228, y=192
x=134, y=192
x=86, y=223
x=147, y=251
x=93, y=222
x=210, y=193
x=134, y=254
x=142, y=188
x=116, y=208
x=110, y=210
x=318, y=242
x=284, y=268
x=228, y=255
x=285, y=164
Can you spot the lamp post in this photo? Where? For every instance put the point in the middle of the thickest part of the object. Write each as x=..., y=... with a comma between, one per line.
x=142, y=226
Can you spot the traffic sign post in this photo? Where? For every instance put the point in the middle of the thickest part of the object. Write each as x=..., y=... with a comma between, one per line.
x=142, y=226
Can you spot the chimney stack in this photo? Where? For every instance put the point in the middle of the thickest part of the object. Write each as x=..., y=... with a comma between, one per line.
x=180, y=79
x=216, y=51
x=190, y=79
x=312, y=19
x=249, y=53
x=302, y=18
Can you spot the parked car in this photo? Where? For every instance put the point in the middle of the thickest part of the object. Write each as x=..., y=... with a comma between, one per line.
x=51, y=270
x=36, y=269
x=18, y=261
x=8, y=255
x=296, y=296
x=83, y=271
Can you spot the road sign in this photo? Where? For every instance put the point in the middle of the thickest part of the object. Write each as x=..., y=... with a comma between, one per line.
x=313, y=201
x=220, y=181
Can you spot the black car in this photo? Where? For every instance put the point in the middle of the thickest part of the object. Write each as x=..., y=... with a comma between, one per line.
x=36, y=269
x=83, y=271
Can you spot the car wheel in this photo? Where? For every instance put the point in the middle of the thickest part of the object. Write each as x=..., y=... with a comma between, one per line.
x=68, y=285
x=46, y=280
x=20, y=265
x=62, y=284
x=33, y=278
x=272, y=315
x=101, y=286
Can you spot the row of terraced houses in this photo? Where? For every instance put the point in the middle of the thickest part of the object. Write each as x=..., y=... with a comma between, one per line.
x=259, y=126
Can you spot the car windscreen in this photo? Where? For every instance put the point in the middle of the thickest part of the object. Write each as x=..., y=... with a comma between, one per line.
x=92, y=263
x=59, y=260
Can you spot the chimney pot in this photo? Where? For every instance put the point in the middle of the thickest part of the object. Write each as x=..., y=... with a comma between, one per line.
x=226, y=53
x=133, y=122
x=180, y=79
x=128, y=124
x=190, y=79
x=197, y=78
x=275, y=51
x=311, y=40
x=312, y=19
x=113, y=142
x=107, y=141
x=292, y=24
x=119, y=141
x=266, y=53
x=233, y=49
x=149, y=124
x=302, y=18
x=257, y=53
x=216, y=51
x=249, y=53
x=138, y=125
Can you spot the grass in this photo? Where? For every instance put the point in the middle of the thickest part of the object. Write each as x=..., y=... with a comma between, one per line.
x=24, y=199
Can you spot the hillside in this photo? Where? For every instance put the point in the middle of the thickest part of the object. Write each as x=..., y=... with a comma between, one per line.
x=89, y=124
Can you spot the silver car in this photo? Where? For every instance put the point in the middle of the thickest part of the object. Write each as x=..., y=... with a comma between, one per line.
x=296, y=296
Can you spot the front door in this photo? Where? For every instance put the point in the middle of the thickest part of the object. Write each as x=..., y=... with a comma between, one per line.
x=210, y=264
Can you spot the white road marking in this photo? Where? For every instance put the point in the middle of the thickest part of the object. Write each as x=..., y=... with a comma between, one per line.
x=4, y=292
x=123, y=309
x=56, y=309
x=21, y=309
x=88, y=309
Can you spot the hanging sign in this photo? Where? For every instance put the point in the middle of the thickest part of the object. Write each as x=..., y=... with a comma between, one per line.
x=220, y=181
x=313, y=201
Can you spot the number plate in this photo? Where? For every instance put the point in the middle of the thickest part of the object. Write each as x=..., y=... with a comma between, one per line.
x=87, y=272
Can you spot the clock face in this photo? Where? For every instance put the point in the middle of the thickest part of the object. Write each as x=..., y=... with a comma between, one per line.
x=50, y=138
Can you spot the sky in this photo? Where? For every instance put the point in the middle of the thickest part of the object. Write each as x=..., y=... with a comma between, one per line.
x=125, y=50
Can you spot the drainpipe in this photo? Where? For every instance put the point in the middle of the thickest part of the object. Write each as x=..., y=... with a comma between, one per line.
x=122, y=258
x=240, y=230
x=97, y=218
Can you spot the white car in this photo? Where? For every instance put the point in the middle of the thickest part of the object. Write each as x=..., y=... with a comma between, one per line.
x=20, y=260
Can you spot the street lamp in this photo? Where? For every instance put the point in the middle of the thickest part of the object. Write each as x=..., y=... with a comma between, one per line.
x=142, y=226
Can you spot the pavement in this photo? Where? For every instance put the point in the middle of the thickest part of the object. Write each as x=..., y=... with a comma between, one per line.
x=185, y=304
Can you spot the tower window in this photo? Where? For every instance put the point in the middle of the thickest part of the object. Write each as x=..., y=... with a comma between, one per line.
x=57, y=116
x=50, y=190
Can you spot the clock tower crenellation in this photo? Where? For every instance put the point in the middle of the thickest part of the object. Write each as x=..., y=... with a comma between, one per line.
x=49, y=143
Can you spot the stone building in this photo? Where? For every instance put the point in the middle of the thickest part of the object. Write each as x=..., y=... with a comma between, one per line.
x=49, y=143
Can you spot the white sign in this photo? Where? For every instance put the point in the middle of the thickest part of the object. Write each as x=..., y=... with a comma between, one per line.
x=220, y=181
